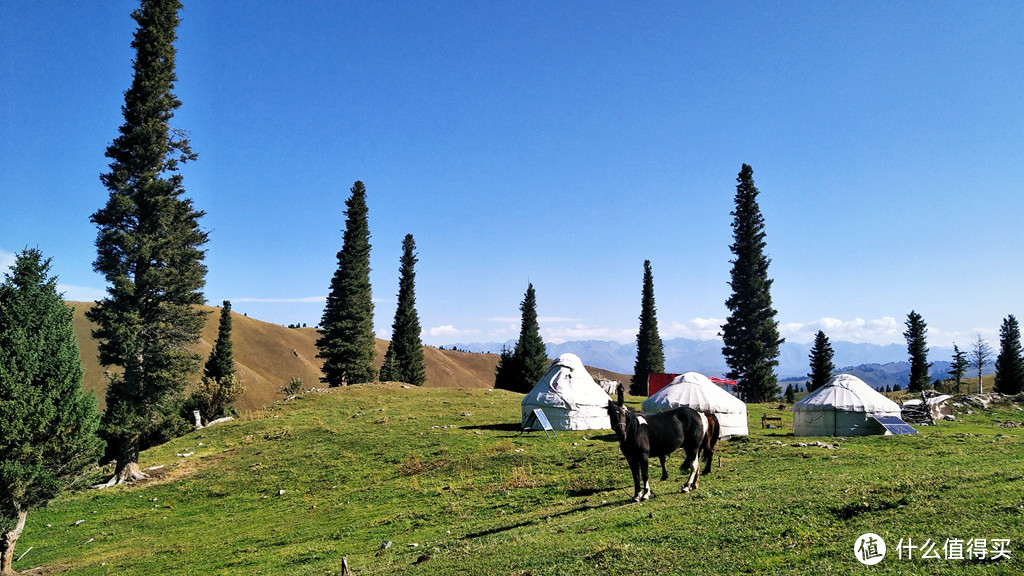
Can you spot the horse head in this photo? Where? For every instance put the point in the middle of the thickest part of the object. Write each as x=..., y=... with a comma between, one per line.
x=619, y=416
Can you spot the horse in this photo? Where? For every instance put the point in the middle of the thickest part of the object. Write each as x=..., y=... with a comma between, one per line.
x=644, y=435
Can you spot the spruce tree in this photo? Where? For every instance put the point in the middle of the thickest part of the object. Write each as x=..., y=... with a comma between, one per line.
x=221, y=363
x=403, y=361
x=387, y=372
x=47, y=421
x=958, y=367
x=917, y=348
x=750, y=335
x=347, y=343
x=530, y=349
x=150, y=250
x=1009, y=364
x=521, y=368
x=650, y=352
x=790, y=394
x=506, y=373
x=220, y=386
x=821, y=362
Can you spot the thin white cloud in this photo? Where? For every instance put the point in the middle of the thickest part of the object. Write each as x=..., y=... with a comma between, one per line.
x=6, y=261
x=540, y=319
x=81, y=293
x=562, y=334
x=450, y=331
x=885, y=330
x=695, y=329
x=305, y=299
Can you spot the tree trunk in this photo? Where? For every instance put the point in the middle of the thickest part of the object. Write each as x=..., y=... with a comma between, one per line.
x=7, y=541
x=127, y=469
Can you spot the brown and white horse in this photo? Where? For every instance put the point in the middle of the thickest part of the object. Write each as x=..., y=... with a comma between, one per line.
x=644, y=435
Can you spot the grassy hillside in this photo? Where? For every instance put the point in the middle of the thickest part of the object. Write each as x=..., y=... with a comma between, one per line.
x=268, y=355
x=438, y=481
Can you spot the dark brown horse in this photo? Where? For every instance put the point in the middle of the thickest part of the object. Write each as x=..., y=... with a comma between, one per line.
x=644, y=435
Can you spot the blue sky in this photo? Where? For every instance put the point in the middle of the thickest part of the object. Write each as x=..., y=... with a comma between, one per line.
x=558, y=143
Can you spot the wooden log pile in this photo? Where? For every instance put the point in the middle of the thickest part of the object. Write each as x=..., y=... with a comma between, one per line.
x=916, y=414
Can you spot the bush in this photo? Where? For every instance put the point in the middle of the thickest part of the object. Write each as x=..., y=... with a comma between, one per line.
x=213, y=398
x=294, y=386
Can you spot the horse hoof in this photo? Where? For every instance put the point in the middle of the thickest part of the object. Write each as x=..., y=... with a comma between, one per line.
x=686, y=489
x=636, y=499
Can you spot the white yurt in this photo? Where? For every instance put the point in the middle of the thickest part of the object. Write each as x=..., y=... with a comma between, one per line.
x=569, y=397
x=843, y=407
x=697, y=391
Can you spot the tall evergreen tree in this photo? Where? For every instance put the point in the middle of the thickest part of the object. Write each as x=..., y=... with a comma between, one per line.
x=751, y=334
x=650, y=352
x=917, y=348
x=530, y=348
x=1009, y=364
x=958, y=367
x=150, y=250
x=221, y=363
x=403, y=361
x=347, y=343
x=47, y=421
x=821, y=362
x=521, y=368
x=220, y=386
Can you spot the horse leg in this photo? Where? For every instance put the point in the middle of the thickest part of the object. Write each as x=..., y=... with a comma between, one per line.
x=711, y=438
x=647, y=484
x=694, y=466
x=634, y=468
x=664, y=471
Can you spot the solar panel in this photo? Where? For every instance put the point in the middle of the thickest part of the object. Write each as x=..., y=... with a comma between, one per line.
x=894, y=425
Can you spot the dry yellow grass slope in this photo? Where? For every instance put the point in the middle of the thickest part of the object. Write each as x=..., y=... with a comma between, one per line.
x=268, y=355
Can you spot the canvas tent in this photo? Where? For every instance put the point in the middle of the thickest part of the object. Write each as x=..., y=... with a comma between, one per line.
x=843, y=407
x=569, y=396
x=698, y=392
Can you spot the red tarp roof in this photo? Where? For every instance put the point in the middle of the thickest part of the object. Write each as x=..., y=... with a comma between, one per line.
x=656, y=381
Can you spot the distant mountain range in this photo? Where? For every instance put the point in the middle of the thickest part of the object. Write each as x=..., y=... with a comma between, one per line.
x=877, y=365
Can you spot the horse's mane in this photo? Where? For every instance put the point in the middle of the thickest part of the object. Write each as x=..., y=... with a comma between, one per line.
x=632, y=421
x=632, y=424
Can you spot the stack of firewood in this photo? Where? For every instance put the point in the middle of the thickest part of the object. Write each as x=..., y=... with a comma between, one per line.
x=916, y=414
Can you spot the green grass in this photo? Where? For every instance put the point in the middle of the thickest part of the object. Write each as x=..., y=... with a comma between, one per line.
x=442, y=469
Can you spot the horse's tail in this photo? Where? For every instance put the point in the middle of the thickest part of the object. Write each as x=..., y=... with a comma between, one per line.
x=710, y=439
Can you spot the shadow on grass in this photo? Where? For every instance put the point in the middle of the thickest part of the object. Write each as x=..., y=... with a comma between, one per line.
x=510, y=427
x=545, y=519
x=513, y=429
x=517, y=428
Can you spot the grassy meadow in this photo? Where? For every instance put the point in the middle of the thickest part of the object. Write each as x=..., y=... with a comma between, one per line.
x=439, y=481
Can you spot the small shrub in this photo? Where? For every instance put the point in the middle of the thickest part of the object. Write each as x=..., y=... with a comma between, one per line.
x=294, y=386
